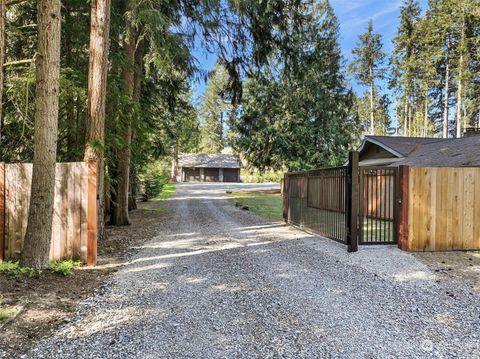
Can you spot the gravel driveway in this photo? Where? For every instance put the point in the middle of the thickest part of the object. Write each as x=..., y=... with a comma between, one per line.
x=219, y=282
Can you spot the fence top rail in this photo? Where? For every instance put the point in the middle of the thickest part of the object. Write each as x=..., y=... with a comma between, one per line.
x=314, y=170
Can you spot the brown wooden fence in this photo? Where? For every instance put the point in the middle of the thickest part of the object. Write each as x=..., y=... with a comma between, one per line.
x=440, y=208
x=75, y=210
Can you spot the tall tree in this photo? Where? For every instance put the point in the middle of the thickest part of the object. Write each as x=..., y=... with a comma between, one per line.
x=39, y=229
x=97, y=88
x=214, y=112
x=367, y=65
x=120, y=210
x=404, y=59
x=296, y=113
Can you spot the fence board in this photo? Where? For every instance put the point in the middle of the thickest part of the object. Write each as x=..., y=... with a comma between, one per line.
x=71, y=203
x=444, y=208
x=2, y=211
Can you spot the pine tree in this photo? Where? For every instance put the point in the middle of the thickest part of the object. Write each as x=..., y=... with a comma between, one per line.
x=367, y=65
x=36, y=249
x=97, y=88
x=403, y=60
x=214, y=112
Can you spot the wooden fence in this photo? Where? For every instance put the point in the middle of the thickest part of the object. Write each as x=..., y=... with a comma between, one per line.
x=440, y=208
x=74, y=232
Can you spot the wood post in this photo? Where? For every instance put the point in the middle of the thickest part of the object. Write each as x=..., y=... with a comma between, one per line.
x=404, y=172
x=92, y=216
x=351, y=201
x=2, y=211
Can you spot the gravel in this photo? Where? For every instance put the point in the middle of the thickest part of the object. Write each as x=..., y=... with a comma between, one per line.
x=219, y=282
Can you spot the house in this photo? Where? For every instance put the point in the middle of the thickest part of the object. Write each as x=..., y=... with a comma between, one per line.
x=203, y=167
x=420, y=152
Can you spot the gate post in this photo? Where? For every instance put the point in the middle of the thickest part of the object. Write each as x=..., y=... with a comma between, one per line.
x=351, y=205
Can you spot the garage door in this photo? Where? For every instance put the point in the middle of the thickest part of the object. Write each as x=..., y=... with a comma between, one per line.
x=230, y=175
x=192, y=174
x=211, y=175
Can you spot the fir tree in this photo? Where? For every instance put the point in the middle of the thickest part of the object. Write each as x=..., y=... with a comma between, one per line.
x=367, y=65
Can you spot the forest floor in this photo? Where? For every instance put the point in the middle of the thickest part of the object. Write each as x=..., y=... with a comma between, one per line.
x=44, y=302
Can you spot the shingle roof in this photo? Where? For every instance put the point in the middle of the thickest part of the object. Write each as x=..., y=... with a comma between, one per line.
x=402, y=145
x=417, y=151
x=204, y=160
x=454, y=152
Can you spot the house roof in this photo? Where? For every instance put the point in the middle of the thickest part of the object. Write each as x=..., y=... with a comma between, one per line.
x=400, y=146
x=417, y=151
x=454, y=152
x=205, y=160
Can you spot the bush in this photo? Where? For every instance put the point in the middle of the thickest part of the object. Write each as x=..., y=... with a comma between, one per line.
x=257, y=177
x=65, y=267
x=14, y=269
x=153, y=179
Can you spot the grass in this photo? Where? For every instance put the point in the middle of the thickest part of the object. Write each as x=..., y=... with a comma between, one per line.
x=65, y=267
x=6, y=313
x=267, y=204
x=167, y=191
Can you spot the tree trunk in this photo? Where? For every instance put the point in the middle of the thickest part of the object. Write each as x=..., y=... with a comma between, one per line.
x=175, y=163
x=137, y=91
x=36, y=247
x=460, y=87
x=445, y=101
x=97, y=91
x=425, y=118
x=405, y=116
x=372, y=116
x=2, y=61
x=120, y=209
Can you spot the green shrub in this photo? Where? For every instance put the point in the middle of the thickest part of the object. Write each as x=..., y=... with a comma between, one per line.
x=258, y=177
x=14, y=269
x=153, y=179
x=65, y=267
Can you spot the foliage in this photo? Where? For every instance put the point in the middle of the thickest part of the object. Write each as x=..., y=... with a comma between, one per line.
x=287, y=120
x=261, y=177
x=65, y=267
x=214, y=112
x=14, y=269
x=153, y=179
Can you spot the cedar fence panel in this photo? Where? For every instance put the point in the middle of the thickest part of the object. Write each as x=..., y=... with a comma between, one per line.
x=74, y=217
x=443, y=205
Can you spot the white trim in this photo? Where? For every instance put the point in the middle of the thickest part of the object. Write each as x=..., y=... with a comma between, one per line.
x=378, y=143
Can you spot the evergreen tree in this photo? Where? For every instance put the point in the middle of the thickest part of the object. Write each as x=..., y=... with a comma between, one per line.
x=296, y=112
x=214, y=112
x=404, y=60
x=367, y=65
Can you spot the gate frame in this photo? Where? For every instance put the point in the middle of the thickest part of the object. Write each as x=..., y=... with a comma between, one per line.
x=395, y=199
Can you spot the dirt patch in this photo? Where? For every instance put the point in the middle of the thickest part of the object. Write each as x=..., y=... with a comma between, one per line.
x=46, y=301
x=461, y=266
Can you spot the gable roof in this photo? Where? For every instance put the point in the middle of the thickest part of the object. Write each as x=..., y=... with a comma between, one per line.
x=399, y=146
x=418, y=151
x=205, y=160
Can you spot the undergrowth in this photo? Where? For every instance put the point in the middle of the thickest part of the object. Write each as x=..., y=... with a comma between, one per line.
x=65, y=267
x=14, y=269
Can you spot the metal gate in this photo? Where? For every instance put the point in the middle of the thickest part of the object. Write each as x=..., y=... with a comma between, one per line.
x=378, y=206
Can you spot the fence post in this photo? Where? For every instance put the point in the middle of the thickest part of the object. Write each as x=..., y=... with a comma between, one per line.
x=92, y=215
x=403, y=173
x=352, y=202
x=2, y=212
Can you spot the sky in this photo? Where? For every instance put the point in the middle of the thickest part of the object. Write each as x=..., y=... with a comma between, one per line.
x=353, y=16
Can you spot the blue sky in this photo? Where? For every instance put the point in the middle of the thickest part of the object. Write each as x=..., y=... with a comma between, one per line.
x=353, y=16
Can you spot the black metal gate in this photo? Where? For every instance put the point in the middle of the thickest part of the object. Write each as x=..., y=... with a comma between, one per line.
x=378, y=205
x=350, y=204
